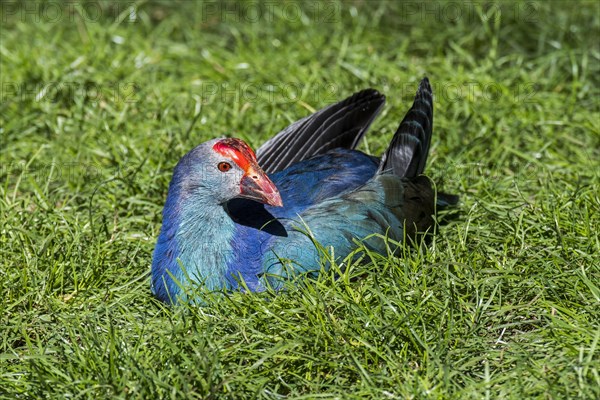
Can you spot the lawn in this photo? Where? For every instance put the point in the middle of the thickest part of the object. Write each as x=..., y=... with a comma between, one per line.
x=99, y=100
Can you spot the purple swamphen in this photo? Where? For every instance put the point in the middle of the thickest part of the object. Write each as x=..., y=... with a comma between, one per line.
x=232, y=216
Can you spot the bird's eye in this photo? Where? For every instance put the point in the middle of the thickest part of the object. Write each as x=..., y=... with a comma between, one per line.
x=224, y=166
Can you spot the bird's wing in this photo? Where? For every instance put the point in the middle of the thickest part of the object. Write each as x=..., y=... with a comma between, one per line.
x=339, y=125
x=313, y=181
x=387, y=205
x=407, y=153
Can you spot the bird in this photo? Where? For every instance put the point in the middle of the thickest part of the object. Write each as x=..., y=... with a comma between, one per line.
x=239, y=220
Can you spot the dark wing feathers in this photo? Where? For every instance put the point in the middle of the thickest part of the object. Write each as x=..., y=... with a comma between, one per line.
x=339, y=125
x=407, y=153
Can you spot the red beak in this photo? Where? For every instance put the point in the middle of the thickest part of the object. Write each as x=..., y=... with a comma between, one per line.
x=256, y=185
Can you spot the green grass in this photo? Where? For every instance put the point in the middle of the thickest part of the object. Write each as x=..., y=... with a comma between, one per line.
x=97, y=109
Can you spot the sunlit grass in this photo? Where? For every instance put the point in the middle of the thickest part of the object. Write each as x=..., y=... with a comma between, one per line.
x=95, y=113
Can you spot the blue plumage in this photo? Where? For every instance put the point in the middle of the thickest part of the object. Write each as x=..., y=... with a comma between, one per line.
x=224, y=222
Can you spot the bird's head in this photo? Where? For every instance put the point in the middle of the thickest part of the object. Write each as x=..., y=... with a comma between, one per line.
x=225, y=169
